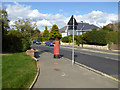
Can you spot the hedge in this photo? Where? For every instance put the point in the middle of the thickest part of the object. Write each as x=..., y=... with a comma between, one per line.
x=14, y=41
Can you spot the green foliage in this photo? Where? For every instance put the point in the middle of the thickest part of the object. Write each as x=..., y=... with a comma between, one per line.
x=45, y=35
x=55, y=33
x=70, y=37
x=37, y=30
x=80, y=39
x=25, y=25
x=96, y=37
x=39, y=37
x=106, y=28
x=16, y=42
x=5, y=21
x=65, y=39
x=36, y=35
x=103, y=36
x=113, y=37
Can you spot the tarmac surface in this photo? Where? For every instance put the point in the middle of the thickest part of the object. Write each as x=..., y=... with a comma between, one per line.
x=94, y=60
x=60, y=73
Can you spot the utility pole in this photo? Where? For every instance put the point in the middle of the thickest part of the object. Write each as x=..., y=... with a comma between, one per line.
x=73, y=43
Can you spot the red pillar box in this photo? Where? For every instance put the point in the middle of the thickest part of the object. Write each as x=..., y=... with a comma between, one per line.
x=56, y=49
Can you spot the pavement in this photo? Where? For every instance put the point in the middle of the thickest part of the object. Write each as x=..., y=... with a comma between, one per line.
x=60, y=73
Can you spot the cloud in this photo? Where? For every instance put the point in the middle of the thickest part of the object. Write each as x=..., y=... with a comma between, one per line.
x=19, y=11
x=43, y=23
x=35, y=13
x=98, y=18
x=11, y=23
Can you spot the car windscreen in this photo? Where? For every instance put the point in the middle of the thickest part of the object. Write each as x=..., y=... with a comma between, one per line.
x=51, y=42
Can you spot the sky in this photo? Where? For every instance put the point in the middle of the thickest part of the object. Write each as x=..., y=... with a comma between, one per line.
x=49, y=13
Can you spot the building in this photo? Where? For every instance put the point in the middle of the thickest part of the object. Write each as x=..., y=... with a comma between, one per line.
x=79, y=28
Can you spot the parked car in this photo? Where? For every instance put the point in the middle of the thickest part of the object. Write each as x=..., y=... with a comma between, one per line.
x=38, y=42
x=49, y=43
x=34, y=41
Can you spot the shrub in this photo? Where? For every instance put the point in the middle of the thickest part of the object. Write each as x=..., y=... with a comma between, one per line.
x=65, y=39
x=14, y=41
x=113, y=37
x=95, y=37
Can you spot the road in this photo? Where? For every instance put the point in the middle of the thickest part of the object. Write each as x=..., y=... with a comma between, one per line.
x=106, y=62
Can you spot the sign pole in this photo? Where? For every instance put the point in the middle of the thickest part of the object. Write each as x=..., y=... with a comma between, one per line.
x=73, y=44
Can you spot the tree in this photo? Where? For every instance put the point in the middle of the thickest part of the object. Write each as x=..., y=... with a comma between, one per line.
x=25, y=25
x=107, y=28
x=36, y=35
x=5, y=21
x=4, y=26
x=45, y=35
x=55, y=33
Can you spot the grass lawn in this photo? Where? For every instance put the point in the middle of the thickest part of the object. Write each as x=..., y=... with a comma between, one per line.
x=18, y=70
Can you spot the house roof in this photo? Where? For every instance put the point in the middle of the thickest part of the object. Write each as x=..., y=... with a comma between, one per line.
x=62, y=30
x=78, y=26
x=86, y=27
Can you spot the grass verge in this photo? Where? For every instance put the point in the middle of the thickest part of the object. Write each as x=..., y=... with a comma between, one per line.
x=18, y=70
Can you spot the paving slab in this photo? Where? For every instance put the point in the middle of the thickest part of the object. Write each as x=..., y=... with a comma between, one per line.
x=60, y=73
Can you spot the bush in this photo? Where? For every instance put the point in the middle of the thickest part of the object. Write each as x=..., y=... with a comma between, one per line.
x=113, y=37
x=95, y=37
x=65, y=39
x=14, y=41
x=80, y=39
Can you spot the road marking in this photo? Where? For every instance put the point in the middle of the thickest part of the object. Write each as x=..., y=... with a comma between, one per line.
x=92, y=51
x=100, y=51
x=112, y=58
x=94, y=55
x=63, y=74
x=93, y=70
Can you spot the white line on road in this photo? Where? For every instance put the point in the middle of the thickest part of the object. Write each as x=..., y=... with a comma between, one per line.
x=92, y=50
x=94, y=55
